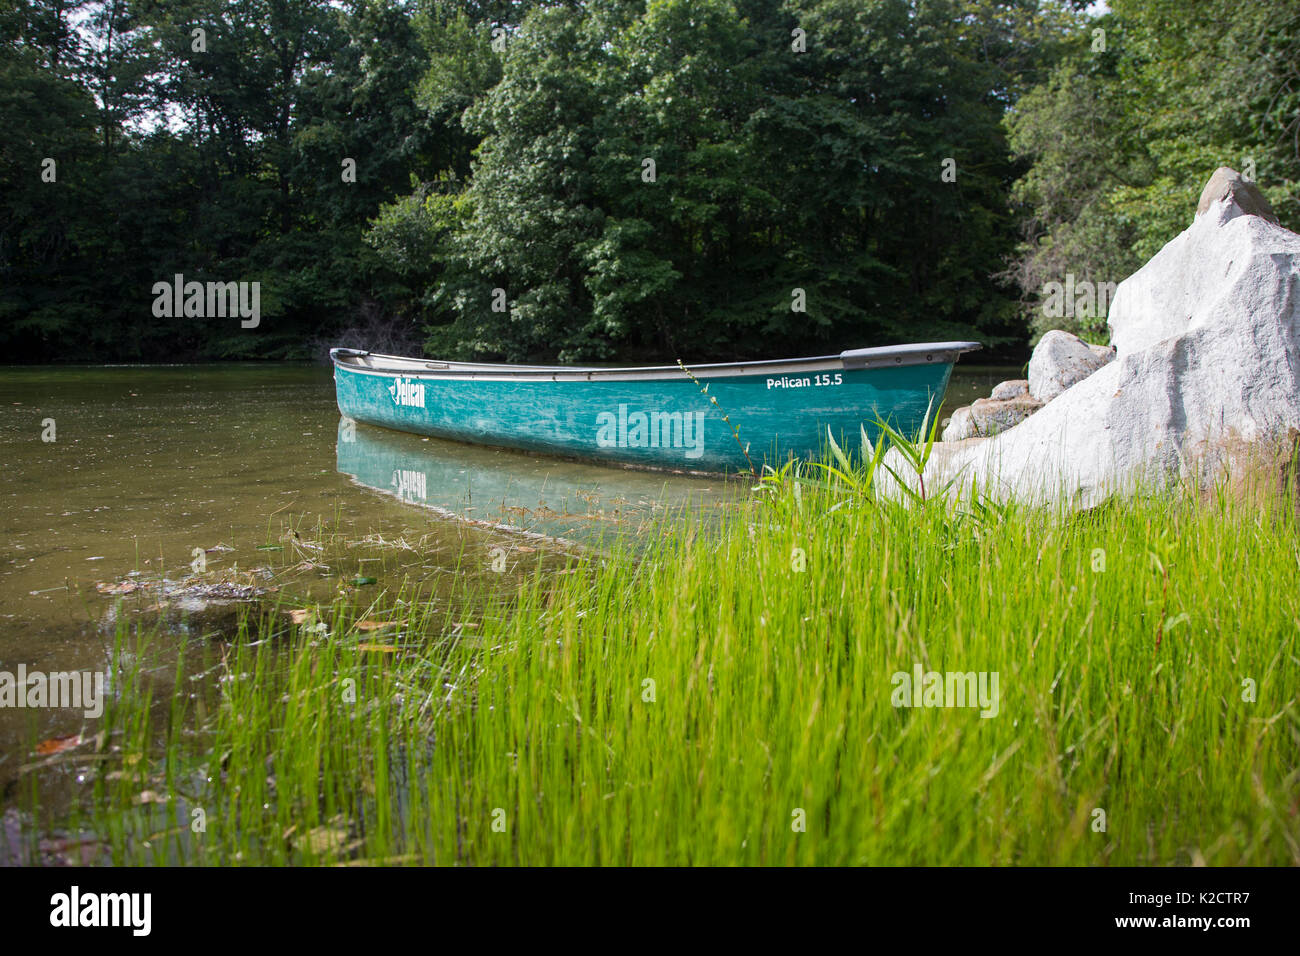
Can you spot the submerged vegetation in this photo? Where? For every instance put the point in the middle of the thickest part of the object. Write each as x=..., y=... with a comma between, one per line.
x=749, y=695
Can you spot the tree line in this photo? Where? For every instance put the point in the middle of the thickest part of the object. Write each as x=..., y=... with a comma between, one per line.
x=609, y=180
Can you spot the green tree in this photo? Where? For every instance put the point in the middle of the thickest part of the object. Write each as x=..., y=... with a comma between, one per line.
x=1120, y=141
x=775, y=170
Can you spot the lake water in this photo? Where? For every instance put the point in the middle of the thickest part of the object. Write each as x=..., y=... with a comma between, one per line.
x=167, y=489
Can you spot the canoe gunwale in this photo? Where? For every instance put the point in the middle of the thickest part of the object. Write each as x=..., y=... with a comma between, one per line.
x=889, y=356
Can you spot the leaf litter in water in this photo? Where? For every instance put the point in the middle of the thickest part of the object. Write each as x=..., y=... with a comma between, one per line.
x=58, y=744
x=121, y=587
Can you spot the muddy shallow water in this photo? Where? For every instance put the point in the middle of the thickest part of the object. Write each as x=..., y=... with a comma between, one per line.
x=118, y=485
x=164, y=497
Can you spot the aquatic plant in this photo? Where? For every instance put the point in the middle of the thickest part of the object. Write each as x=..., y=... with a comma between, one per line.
x=779, y=690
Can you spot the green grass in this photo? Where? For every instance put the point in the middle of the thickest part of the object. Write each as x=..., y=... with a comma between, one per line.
x=525, y=734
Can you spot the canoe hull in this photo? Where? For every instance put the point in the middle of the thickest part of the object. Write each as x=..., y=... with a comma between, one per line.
x=656, y=422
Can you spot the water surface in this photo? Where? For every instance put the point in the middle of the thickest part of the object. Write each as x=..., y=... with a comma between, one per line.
x=152, y=469
x=246, y=471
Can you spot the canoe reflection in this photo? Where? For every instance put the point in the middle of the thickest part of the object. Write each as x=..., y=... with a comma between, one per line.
x=518, y=491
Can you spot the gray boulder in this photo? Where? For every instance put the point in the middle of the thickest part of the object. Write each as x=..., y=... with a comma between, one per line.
x=1060, y=361
x=986, y=417
x=1227, y=184
x=1015, y=388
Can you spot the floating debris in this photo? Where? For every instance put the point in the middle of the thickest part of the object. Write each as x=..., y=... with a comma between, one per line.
x=58, y=744
x=219, y=591
x=120, y=587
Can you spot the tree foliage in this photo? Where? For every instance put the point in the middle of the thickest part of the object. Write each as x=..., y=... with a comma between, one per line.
x=1121, y=140
x=608, y=180
x=778, y=175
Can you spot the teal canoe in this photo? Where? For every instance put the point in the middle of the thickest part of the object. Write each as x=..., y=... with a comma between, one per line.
x=721, y=418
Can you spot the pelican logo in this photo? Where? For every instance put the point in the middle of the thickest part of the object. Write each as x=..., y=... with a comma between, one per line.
x=410, y=484
x=407, y=392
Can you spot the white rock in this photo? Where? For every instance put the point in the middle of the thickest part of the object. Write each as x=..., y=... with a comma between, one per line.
x=1218, y=270
x=1060, y=361
x=1207, y=380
